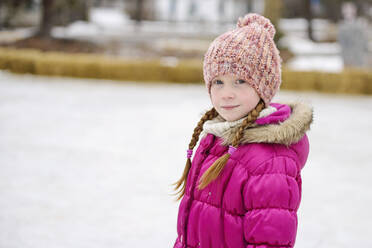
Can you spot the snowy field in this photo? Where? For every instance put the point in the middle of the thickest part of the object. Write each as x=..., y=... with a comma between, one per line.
x=89, y=163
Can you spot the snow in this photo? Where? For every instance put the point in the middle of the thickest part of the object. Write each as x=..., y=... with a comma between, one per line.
x=89, y=163
x=301, y=24
x=7, y=36
x=302, y=46
x=101, y=20
x=108, y=17
x=316, y=63
x=206, y=10
x=311, y=55
x=77, y=29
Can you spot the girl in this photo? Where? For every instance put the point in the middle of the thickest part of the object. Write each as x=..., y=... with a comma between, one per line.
x=243, y=187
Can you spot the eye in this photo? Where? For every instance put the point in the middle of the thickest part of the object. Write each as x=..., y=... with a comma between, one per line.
x=240, y=81
x=218, y=81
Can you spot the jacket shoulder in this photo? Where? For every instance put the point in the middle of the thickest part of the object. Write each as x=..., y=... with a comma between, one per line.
x=264, y=155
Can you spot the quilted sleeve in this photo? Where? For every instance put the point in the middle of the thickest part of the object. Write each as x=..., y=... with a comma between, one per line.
x=271, y=198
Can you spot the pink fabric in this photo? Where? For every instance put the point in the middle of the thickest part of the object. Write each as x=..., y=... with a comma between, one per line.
x=231, y=150
x=282, y=113
x=189, y=153
x=254, y=201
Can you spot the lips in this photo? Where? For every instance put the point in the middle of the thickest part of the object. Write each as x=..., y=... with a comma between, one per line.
x=228, y=107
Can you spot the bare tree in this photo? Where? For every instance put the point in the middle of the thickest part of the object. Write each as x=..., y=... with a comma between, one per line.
x=46, y=22
x=221, y=10
x=309, y=17
x=172, y=9
x=249, y=6
x=273, y=11
x=60, y=12
x=139, y=10
x=9, y=9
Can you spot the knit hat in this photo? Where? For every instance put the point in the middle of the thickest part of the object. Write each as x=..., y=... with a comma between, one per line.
x=249, y=52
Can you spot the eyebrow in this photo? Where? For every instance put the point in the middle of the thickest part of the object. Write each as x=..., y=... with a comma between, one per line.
x=226, y=80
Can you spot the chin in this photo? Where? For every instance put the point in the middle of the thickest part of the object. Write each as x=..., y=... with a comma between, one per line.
x=230, y=118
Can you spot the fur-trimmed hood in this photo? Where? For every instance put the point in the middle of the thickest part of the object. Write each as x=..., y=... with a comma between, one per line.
x=287, y=124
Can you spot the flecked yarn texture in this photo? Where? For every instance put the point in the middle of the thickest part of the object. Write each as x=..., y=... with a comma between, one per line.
x=249, y=52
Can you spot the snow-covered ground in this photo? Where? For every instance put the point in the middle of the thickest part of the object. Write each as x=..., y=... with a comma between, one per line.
x=89, y=163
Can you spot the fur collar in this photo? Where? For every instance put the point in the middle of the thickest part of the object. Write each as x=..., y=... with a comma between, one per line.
x=218, y=125
x=287, y=132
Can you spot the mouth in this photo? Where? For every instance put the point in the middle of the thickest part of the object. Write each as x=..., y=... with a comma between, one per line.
x=228, y=107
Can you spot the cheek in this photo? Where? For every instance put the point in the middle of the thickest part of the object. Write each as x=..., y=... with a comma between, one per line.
x=251, y=98
x=214, y=97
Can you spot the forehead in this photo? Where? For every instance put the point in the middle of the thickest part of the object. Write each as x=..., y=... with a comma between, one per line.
x=227, y=77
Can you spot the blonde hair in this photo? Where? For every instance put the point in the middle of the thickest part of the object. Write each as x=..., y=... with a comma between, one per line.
x=215, y=169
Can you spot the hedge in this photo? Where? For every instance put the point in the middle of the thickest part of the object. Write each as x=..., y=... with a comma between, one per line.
x=350, y=81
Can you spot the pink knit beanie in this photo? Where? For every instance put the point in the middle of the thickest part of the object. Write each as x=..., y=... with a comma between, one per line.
x=249, y=52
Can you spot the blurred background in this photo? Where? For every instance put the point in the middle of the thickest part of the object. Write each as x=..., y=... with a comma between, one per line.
x=99, y=98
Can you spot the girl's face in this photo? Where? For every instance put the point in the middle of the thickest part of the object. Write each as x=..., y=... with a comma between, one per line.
x=233, y=98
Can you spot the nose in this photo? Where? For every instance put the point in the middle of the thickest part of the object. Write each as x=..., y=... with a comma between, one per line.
x=228, y=93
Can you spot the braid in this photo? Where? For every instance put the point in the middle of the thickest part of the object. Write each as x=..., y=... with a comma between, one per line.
x=199, y=127
x=212, y=113
x=216, y=168
x=252, y=117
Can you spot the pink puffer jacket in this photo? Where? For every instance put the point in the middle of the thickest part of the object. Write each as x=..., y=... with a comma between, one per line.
x=254, y=201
